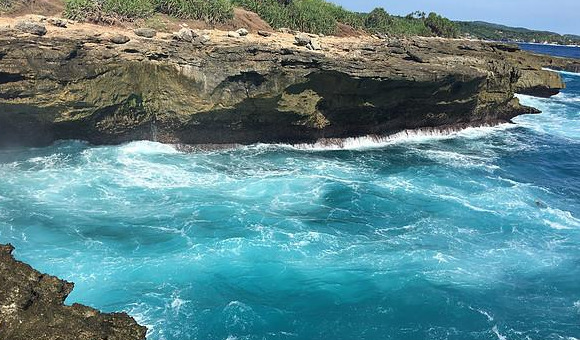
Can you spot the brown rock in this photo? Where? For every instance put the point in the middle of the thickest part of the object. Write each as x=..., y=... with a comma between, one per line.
x=31, y=307
x=251, y=92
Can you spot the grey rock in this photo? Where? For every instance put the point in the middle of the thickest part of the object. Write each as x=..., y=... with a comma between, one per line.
x=417, y=57
x=398, y=50
x=202, y=39
x=58, y=22
x=31, y=27
x=264, y=33
x=242, y=32
x=119, y=39
x=315, y=45
x=302, y=39
x=145, y=32
x=505, y=47
x=186, y=34
x=233, y=34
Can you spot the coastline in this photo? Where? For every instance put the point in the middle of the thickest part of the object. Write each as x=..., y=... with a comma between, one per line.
x=79, y=83
x=252, y=89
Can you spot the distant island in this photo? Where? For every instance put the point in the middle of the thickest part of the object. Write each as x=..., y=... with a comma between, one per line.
x=488, y=31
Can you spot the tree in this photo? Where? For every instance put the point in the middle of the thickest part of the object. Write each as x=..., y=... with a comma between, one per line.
x=440, y=26
x=378, y=20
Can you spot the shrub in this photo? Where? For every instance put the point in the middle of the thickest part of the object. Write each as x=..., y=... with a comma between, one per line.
x=5, y=5
x=315, y=16
x=82, y=9
x=98, y=10
x=129, y=9
x=378, y=21
x=441, y=26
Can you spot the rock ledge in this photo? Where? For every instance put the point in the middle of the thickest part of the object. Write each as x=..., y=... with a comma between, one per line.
x=31, y=307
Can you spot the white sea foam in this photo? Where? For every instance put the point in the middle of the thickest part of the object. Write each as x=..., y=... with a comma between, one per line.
x=562, y=72
x=406, y=136
x=561, y=219
x=496, y=332
x=148, y=148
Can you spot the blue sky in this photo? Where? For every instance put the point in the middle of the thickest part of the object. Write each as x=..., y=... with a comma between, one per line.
x=562, y=16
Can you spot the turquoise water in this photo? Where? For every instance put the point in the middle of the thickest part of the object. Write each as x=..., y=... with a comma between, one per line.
x=475, y=235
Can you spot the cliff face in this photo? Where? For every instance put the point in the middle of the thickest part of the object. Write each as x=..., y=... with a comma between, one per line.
x=74, y=84
x=31, y=307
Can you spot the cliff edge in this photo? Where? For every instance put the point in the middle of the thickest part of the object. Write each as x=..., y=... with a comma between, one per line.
x=31, y=307
x=110, y=85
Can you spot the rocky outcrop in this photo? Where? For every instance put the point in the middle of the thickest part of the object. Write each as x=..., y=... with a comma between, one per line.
x=558, y=63
x=31, y=307
x=224, y=91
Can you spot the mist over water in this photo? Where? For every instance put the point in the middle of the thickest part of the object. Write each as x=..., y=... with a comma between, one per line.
x=475, y=235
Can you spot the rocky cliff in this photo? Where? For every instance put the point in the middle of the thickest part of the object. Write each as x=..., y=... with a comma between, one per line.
x=31, y=307
x=80, y=83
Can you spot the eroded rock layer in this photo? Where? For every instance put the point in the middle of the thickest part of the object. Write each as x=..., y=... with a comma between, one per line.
x=31, y=307
x=83, y=86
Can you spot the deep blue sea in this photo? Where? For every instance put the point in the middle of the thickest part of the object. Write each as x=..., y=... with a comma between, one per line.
x=555, y=50
x=474, y=235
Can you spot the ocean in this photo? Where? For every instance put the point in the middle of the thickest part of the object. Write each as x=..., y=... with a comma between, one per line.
x=555, y=50
x=473, y=235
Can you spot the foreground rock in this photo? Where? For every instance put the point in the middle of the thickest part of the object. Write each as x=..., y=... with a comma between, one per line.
x=238, y=91
x=31, y=307
x=31, y=27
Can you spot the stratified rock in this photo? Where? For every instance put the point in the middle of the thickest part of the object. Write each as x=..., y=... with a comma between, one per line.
x=250, y=92
x=264, y=33
x=32, y=307
x=233, y=34
x=31, y=27
x=302, y=39
x=145, y=32
x=119, y=39
x=242, y=32
x=416, y=56
x=539, y=83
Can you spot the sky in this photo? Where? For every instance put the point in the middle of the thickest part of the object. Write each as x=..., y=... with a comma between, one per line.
x=561, y=16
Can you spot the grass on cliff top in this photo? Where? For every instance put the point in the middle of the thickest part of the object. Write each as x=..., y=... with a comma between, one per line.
x=313, y=16
x=105, y=10
x=6, y=5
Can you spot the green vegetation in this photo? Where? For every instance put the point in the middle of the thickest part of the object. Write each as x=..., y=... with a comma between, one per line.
x=319, y=16
x=487, y=31
x=314, y=16
x=207, y=10
x=441, y=26
x=6, y=5
x=100, y=10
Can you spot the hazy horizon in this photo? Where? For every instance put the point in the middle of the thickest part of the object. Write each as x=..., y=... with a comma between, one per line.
x=559, y=17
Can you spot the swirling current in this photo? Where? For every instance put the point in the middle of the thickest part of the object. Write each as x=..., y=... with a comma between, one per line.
x=473, y=235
